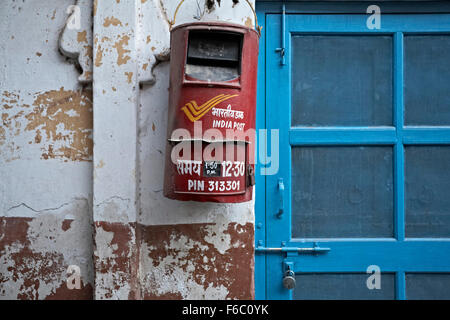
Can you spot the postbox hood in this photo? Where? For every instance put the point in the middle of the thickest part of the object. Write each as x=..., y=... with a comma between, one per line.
x=215, y=25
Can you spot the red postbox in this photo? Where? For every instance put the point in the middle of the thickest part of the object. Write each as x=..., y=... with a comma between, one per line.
x=211, y=117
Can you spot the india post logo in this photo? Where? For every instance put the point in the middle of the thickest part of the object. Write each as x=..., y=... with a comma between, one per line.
x=195, y=112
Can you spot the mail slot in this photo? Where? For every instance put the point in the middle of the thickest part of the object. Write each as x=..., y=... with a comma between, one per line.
x=213, y=56
x=211, y=115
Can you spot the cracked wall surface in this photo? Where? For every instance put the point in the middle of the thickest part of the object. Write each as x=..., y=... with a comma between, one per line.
x=36, y=252
x=45, y=157
x=82, y=135
x=188, y=250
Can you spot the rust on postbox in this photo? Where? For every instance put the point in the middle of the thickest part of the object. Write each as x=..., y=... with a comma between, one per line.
x=211, y=117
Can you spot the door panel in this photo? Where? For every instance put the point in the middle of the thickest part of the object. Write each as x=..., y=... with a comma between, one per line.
x=358, y=85
x=360, y=177
x=422, y=286
x=342, y=192
x=427, y=180
x=426, y=65
x=343, y=286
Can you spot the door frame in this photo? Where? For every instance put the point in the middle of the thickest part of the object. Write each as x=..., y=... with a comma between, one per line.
x=263, y=9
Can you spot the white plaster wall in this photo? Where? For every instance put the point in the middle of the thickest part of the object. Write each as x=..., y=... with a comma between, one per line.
x=123, y=180
x=155, y=209
x=48, y=190
x=30, y=65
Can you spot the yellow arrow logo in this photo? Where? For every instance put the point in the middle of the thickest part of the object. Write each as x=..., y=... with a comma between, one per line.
x=195, y=112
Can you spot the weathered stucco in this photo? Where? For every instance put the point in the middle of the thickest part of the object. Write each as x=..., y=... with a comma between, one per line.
x=197, y=261
x=45, y=157
x=116, y=261
x=60, y=120
x=36, y=253
x=82, y=135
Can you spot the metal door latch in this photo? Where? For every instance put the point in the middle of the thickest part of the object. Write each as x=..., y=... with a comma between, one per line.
x=281, y=191
x=293, y=250
x=289, y=281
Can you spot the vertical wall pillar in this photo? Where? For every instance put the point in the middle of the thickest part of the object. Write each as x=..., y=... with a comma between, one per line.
x=115, y=150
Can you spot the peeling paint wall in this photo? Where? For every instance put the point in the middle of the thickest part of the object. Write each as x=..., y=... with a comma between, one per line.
x=36, y=252
x=82, y=136
x=45, y=157
x=197, y=261
x=188, y=250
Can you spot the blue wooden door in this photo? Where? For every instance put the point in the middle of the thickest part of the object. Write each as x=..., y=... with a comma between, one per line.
x=364, y=140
